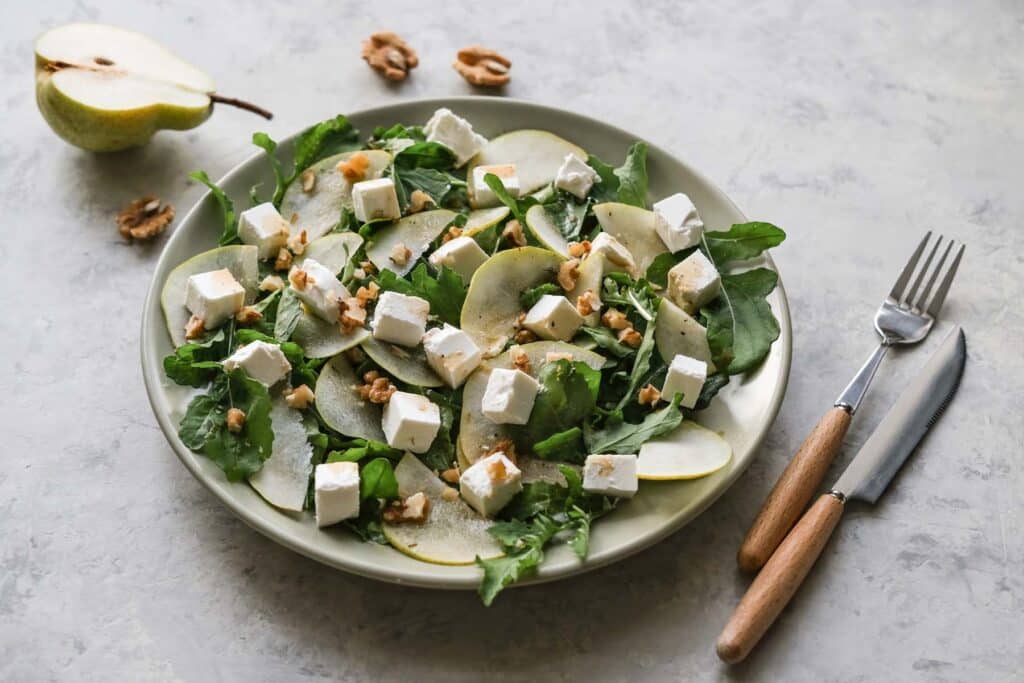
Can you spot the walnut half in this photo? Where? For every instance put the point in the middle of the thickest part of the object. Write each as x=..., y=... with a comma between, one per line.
x=482, y=66
x=389, y=55
x=144, y=219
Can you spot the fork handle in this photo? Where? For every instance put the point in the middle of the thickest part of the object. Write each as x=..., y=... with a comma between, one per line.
x=794, y=489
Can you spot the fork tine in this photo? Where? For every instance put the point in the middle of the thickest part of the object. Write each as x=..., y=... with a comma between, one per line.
x=921, y=300
x=908, y=270
x=908, y=299
x=940, y=293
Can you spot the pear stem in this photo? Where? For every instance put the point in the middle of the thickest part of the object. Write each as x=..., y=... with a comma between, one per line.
x=241, y=104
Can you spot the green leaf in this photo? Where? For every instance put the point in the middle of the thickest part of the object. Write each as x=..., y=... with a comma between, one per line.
x=537, y=497
x=623, y=437
x=564, y=446
x=712, y=385
x=641, y=369
x=580, y=539
x=445, y=292
x=742, y=241
x=289, y=311
x=607, y=187
x=203, y=419
x=360, y=449
x=441, y=454
x=322, y=140
x=524, y=553
x=529, y=298
x=567, y=215
x=267, y=144
x=657, y=272
x=377, y=480
x=518, y=206
x=398, y=131
x=195, y=364
x=229, y=234
x=426, y=155
x=441, y=186
x=632, y=176
x=567, y=396
x=367, y=525
x=740, y=323
x=240, y=455
x=607, y=340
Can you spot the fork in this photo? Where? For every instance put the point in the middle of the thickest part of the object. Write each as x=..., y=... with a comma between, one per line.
x=906, y=316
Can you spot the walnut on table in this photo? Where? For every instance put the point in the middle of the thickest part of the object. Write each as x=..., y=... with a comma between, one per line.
x=482, y=66
x=389, y=55
x=144, y=219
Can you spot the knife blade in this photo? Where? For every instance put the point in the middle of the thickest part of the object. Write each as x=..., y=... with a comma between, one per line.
x=906, y=423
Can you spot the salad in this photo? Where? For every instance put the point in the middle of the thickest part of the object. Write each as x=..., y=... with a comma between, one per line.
x=467, y=349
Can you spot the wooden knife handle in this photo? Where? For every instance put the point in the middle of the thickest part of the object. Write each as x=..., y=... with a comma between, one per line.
x=777, y=582
x=794, y=489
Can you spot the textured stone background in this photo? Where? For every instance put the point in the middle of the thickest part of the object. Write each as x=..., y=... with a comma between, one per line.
x=856, y=126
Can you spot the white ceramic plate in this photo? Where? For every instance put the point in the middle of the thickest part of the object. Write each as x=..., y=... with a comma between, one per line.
x=743, y=412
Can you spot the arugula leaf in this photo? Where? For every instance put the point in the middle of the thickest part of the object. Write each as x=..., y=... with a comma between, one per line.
x=289, y=311
x=524, y=552
x=268, y=145
x=564, y=446
x=740, y=323
x=426, y=155
x=441, y=454
x=623, y=437
x=567, y=215
x=517, y=205
x=567, y=396
x=441, y=186
x=446, y=293
x=377, y=480
x=367, y=525
x=607, y=340
x=196, y=364
x=398, y=131
x=742, y=241
x=322, y=140
x=204, y=417
x=641, y=369
x=657, y=272
x=606, y=189
x=580, y=539
x=632, y=176
x=229, y=235
x=529, y=298
x=358, y=449
x=712, y=385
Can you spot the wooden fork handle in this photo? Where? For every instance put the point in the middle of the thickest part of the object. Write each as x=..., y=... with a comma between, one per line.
x=794, y=489
x=778, y=581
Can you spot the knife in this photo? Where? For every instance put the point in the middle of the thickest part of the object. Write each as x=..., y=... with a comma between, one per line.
x=877, y=462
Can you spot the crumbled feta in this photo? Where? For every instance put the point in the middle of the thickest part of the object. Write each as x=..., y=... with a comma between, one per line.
x=616, y=256
x=375, y=200
x=321, y=290
x=400, y=319
x=554, y=318
x=490, y=483
x=336, y=492
x=509, y=396
x=693, y=282
x=575, y=177
x=483, y=195
x=685, y=376
x=263, y=227
x=678, y=223
x=462, y=254
x=451, y=353
x=410, y=422
x=214, y=297
x=263, y=361
x=455, y=133
x=610, y=475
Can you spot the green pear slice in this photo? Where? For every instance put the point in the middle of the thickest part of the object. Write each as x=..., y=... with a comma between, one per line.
x=492, y=302
x=677, y=332
x=453, y=533
x=634, y=227
x=284, y=478
x=405, y=364
x=340, y=405
x=319, y=210
x=241, y=260
x=543, y=228
x=481, y=219
x=416, y=232
x=689, y=452
x=537, y=155
x=321, y=339
x=334, y=251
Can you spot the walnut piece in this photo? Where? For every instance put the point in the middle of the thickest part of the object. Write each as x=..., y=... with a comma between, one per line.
x=630, y=337
x=248, y=315
x=400, y=254
x=648, y=396
x=144, y=219
x=579, y=249
x=235, y=420
x=284, y=260
x=308, y=180
x=411, y=510
x=614, y=319
x=524, y=336
x=568, y=273
x=389, y=55
x=300, y=397
x=451, y=233
x=505, y=446
x=482, y=66
x=520, y=361
x=298, y=278
x=368, y=267
x=376, y=389
x=271, y=283
x=353, y=314
x=451, y=475
x=368, y=293
x=449, y=494
x=297, y=243
x=194, y=328
x=354, y=168
x=587, y=303
x=419, y=200
x=513, y=233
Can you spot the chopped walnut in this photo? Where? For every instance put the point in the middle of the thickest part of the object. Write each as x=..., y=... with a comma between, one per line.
x=144, y=219
x=411, y=510
x=630, y=337
x=449, y=494
x=524, y=336
x=554, y=356
x=614, y=319
x=284, y=260
x=482, y=66
x=300, y=397
x=308, y=180
x=368, y=267
x=389, y=55
x=520, y=361
x=376, y=389
x=368, y=293
x=297, y=243
x=419, y=200
x=648, y=396
x=354, y=168
x=298, y=278
x=194, y=328
x=400, y=254
x=505, y=446
x=568, y=273
x=451, y=233
x=579, y=249
x=235, y=420
x=353, y=314
x=451, y=475
x=271, y=283
x=588, y=302
x=248, y=315
x=513, y=233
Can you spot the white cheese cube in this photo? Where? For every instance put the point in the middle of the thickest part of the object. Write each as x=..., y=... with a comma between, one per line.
x=455, y=133
x=410, y=422
x=616, y=256
x=451, y=353
x=554, y=318
x=400, y=319
x=678, y=223
x=375, y=200
x=263, y=361
x=336, y=492
x=321, y=290
x=490, y=483
x=693, y=282
x=482, y=193
x=685, y=376
x=509, y=396
x=214, y=297
x=462, y=254
x=264, y=227
x=610, y=475
x=575, y=177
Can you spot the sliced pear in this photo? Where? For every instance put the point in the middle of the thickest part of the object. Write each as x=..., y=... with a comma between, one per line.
x=334, y=250
x=284, y=478
x=689, y=452
x=543, y=228
x=481, y=219
x=406, y=365
x=676, y=331
x=321, y=339
x=453, y=533
x=319, y=210
x=341, y=407
x=537, y=155
x=544, y=194
x=492, y=302
x=241, y=260
x=634, y=227
x=416, y=232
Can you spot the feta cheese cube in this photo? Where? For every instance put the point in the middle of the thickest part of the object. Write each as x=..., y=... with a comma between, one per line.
x=451, y=353
x=400, y=319
x=509, y=396
x=685, y=376
x=410, y=422
x=214, y=297
x=575, y=177
x=455, y=133
x=693, y=282
x=554, y=318
x=462, y=254
x=610, y=475
x=616, y=256
x=490, y=483
x=263, y=361
x=264, y=227
x=678, y=223
x=482, y=193
x=336, y=492
x=375, y=200
x=319, y=289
